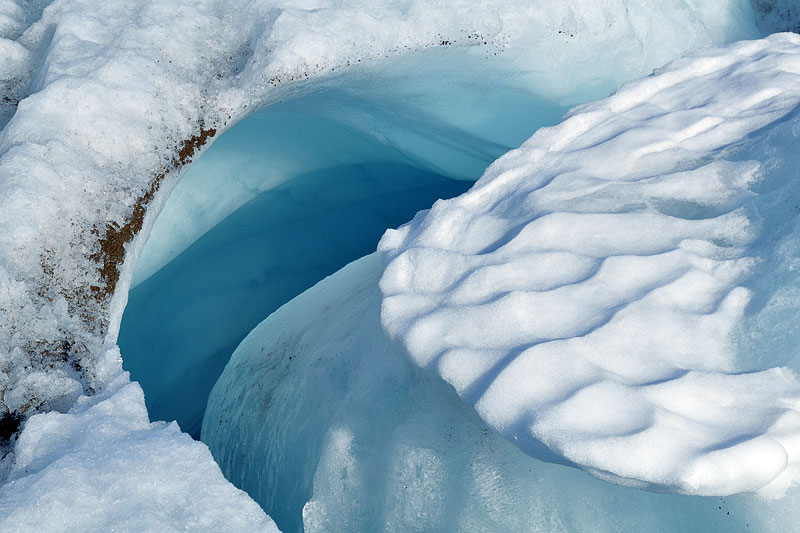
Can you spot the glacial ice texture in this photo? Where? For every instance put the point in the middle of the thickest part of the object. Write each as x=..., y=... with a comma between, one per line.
x=326, y=423
x=617, y=289
x=112, y=101
x=250, y=222
x=104, y=106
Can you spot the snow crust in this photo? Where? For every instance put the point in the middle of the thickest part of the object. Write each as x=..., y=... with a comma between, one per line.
x=588, y=292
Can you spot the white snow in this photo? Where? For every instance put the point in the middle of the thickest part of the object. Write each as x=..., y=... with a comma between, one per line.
x=589, y=292
x=103, y=466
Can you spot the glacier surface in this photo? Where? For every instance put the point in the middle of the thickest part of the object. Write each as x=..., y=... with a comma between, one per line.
x=326, y=423
x=105, y=105
x=625, y=319
x=296, y=191
x=438, y=110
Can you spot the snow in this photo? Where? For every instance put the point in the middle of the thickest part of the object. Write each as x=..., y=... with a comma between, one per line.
x=431, y=105
x=103, y=466
x=596, y=307
x=105, y=105
x=250, y=222
x=115, y=93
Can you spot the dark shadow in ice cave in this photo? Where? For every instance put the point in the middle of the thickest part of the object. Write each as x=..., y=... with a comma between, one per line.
x=327, y=172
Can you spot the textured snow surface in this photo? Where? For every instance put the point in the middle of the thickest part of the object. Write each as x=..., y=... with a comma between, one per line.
x=103, y=466
x=103, y=104
x=594, y=290
x=328, y=425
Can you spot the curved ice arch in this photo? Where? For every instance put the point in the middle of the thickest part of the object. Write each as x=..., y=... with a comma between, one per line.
x=589, y=292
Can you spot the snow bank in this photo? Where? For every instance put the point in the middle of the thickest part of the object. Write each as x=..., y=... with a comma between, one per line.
x=103, y=466
x=590, y=291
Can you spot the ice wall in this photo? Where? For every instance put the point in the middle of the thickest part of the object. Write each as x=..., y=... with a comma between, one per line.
x=327, y=425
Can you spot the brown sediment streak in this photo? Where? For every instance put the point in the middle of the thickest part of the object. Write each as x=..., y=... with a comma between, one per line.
x=112, y=245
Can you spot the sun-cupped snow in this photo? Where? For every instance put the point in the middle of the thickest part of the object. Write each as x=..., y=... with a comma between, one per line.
x=591, y=291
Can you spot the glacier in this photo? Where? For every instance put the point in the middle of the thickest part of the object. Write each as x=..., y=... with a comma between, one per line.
x=106, y=107
x=326, y=423
x=663, y=286
x=177, y=342
x=261, y=196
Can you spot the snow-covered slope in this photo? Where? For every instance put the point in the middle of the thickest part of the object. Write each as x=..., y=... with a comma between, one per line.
x=619, y=286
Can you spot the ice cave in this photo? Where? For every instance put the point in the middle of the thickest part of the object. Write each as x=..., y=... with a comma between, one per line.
x=277, y=265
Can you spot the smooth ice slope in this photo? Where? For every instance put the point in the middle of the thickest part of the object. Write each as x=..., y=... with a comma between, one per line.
x=104, y=467
x=599, y=289
x=325, y=422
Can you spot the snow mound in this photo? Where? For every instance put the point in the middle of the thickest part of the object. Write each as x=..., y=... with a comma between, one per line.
x=595, y=289
x=103, y=466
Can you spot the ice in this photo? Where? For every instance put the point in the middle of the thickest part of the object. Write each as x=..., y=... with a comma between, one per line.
x=118, y=98
x=422, y=103
x=777, y=15
x=250, y=222
x=106, y=104
x=604, y=310
x=323, y=420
